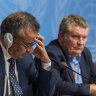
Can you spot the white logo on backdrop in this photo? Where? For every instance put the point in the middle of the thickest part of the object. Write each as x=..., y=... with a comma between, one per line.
x=39, y=8
x=90, y=15
x=59, y=11
x=35, y=7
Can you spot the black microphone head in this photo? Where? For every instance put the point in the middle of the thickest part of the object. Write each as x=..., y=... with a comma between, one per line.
x=63, y=64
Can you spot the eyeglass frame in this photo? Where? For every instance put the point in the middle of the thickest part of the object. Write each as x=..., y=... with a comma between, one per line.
x=27, y=45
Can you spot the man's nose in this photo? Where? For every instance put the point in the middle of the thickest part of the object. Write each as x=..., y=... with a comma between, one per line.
x=80, y=41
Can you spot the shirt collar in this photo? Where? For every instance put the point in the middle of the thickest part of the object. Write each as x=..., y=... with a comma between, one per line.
x=75, y=60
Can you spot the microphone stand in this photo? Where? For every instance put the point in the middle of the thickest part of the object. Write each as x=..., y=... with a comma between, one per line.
x=66, y=66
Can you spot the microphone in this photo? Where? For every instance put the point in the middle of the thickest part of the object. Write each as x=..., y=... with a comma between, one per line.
x=64, y=65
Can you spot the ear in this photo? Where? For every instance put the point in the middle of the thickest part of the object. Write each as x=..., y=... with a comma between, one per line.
x=61, y=36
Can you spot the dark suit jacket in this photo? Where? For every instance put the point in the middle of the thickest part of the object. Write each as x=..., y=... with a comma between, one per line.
x=62, y=79
x=27, y=75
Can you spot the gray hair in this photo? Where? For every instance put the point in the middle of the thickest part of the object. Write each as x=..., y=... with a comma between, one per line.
x=17, y=22
x=70, y=20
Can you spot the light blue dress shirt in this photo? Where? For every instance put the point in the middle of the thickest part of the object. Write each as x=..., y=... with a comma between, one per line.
x=73, y=63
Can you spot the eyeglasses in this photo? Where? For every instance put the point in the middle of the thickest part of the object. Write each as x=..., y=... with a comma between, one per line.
x=27, y=45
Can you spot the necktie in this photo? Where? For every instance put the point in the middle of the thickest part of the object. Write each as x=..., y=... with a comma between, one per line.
x=17, y=91
x=75, y=75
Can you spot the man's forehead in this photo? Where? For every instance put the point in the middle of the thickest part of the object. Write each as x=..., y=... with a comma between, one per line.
x=29, y=39
x=28, y=32
x=78, y=29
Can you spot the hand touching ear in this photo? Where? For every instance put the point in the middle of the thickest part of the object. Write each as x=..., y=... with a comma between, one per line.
x=40, y=51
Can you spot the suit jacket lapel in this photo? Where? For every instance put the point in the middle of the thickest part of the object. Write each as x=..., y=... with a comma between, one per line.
x=18, y=69
x=70, y=72
x=2, y=71
x=83, y=68
x=20, y=73
x=2, y=63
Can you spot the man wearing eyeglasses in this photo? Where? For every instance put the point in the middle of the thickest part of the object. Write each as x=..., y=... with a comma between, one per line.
x=18, y=73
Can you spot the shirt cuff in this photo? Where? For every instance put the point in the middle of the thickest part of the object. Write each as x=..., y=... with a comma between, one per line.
x=46, y=66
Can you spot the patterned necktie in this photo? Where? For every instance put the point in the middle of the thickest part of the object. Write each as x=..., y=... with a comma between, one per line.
x=17, y=91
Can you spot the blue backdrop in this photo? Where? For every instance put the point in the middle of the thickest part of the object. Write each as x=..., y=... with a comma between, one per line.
x=49, y=13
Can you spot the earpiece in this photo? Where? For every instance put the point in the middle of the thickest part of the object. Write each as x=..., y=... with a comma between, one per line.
x=8, y=40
